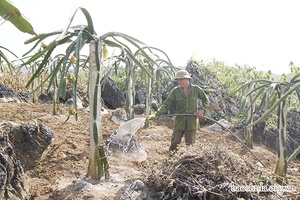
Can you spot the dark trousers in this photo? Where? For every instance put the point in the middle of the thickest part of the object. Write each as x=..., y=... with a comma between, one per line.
x=189, y=135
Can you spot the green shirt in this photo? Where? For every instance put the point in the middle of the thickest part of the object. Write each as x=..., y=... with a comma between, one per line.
x=184, y=105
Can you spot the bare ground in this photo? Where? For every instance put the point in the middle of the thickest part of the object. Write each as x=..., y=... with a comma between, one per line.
x=65, y=161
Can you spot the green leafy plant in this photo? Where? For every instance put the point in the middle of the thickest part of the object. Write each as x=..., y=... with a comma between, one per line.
x=75, y=38
x=12, y=14
x=274, y=98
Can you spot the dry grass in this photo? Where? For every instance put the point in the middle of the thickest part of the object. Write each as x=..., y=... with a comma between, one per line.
x=18, y=79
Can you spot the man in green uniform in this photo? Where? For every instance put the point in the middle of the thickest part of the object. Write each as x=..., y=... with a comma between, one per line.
x=185, y=98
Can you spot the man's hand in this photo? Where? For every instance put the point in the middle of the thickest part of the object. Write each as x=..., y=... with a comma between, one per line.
x=199, y=114
x=150, y=117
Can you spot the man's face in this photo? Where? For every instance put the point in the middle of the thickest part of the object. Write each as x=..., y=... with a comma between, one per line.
x=183, y=82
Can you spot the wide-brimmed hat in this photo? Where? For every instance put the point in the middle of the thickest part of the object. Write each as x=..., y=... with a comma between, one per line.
x=182, y=74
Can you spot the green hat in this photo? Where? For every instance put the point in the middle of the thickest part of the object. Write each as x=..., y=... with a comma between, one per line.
x=182, y=74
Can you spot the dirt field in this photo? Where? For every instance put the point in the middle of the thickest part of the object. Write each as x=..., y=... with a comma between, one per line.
x=65, y=161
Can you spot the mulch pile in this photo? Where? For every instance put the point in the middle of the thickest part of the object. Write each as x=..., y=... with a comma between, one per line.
x=210, y=172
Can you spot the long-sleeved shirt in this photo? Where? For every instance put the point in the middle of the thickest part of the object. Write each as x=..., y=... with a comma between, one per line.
x=184, y=104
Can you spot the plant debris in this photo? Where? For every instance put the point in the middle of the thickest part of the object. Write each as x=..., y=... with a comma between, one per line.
x=209, y=172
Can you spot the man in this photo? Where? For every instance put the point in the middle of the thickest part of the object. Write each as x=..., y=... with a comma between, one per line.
x=185, y=98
